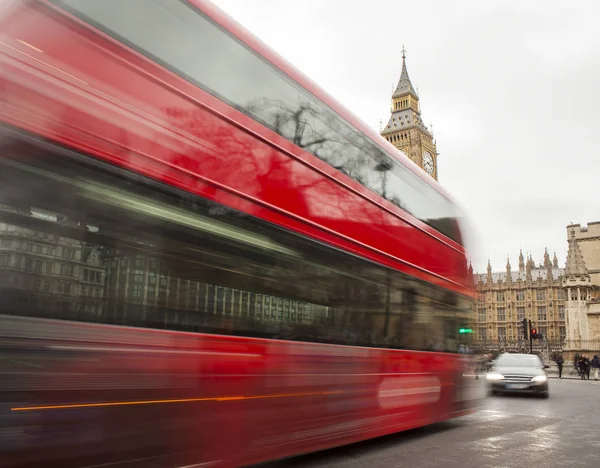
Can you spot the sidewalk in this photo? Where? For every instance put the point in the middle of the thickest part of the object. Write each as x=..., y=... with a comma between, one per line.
x=569, y=376
x=569, y=372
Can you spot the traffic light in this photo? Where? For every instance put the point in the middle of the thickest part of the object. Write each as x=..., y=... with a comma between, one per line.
x=525, y=329
x=465, y=330
x=534, y=334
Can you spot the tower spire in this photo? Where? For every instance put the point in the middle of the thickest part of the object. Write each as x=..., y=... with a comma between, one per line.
x=555, y=261
x=575, y=264
x=547, y=262
x=404, y=87
x=521, y=260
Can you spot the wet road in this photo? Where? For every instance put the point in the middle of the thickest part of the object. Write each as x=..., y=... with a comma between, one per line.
x=508, y=431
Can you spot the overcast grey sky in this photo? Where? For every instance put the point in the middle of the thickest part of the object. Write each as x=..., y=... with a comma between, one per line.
x=511, y=88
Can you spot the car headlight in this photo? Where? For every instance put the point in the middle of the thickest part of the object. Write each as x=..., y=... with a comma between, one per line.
x=540, y=378
x=494, y=376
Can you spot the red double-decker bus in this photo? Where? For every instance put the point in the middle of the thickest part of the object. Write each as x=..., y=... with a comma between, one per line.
x=203, y=257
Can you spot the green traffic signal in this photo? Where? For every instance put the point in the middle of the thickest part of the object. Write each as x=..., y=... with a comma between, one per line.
x=465, y=330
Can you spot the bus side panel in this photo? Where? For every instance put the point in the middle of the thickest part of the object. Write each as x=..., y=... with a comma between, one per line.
x=77, y=392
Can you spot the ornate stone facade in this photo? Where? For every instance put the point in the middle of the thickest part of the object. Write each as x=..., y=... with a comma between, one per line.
x=505, y=298
x=406, y=130
x=581, y=282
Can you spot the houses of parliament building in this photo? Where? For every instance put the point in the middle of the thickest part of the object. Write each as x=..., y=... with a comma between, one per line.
x=532, y=292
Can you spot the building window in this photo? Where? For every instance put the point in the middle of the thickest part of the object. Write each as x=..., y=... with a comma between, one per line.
x=481, y=297
x=501, y=314
x=520, y=295
x=561, y=312
x=5, y=243
x=481, y=314
x=561, y=294
x=139, y=276
x=500, y=297
x=4, y=260
x=563, y=333
x=482, y=333
x=138, y=291
x=140, y=261
x=540, y=294
x=92, y=276
x=502, y=332
x=520, y=313
x=544, y=332
x=541, y=313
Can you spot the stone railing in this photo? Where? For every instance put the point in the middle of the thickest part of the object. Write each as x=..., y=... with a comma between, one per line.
x=588, y=346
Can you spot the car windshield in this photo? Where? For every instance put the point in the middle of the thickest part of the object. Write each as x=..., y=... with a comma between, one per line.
x=518, y=361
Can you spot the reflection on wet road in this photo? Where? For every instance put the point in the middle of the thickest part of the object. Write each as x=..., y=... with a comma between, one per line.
x=511, y=431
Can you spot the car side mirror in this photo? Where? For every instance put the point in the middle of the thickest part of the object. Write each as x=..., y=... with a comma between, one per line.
x=546, y=366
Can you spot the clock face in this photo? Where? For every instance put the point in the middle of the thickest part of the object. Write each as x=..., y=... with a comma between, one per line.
x=428, y=163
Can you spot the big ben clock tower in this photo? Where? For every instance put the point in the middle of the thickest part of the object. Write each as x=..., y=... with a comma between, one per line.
x=406, y=130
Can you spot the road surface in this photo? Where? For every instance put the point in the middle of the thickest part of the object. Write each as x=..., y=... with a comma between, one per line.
x=508, y=431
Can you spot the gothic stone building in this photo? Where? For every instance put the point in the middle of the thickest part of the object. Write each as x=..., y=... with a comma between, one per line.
x=406, y=130
x=504, y=299
x=581, y=282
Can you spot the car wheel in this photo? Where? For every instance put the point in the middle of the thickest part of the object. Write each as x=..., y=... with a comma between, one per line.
x=544, y=394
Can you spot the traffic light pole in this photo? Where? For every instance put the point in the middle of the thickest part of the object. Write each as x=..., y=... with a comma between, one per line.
x=530, y=339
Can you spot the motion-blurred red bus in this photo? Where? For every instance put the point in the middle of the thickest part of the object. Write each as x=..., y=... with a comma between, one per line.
x=203, y=257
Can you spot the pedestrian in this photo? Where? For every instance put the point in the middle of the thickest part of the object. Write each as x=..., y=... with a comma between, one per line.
x=595, y=366
x=559, y=362
x=584, y=367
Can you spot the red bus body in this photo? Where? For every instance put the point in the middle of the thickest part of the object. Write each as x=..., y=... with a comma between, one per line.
x=71, y=85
